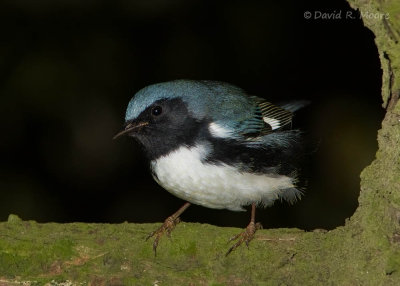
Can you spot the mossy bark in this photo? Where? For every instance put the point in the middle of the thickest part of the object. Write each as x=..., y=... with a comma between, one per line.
x=366, y=251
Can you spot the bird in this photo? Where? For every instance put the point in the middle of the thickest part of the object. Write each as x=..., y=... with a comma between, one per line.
x=211, y=144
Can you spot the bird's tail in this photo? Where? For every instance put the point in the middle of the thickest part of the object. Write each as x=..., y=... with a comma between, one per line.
x=294, y=105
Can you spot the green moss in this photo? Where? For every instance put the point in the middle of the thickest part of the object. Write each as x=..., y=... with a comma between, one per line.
x=393, y=264
x=106, y=253
x=12, y=218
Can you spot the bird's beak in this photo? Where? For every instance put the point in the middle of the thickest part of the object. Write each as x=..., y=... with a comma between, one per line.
x=129, y=128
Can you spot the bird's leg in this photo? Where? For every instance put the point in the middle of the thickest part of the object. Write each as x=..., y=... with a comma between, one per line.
x=168, y=225
x=248, y=234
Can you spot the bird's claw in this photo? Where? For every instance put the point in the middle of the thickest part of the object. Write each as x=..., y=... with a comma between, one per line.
x=167, y=227
x=246, y=236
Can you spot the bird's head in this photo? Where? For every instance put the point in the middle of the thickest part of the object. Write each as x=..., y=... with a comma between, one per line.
x=165, y=116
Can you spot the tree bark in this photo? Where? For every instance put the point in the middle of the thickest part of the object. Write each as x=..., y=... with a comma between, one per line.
x=366, y=251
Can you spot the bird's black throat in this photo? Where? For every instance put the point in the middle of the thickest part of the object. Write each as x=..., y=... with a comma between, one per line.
x=176, y=127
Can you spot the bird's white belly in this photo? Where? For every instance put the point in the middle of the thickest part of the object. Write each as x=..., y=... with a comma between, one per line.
x=183, y=174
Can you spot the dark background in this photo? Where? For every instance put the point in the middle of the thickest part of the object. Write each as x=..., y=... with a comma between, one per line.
x=69, y=68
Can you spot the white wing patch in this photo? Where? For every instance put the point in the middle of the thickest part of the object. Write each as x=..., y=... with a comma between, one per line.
x=274, y=123
x=218, y=131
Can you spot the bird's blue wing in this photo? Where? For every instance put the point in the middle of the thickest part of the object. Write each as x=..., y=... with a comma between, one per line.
x=234, y=113
x=253, y=118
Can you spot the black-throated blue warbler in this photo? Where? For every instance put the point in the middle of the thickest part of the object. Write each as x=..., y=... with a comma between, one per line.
x=211, y=144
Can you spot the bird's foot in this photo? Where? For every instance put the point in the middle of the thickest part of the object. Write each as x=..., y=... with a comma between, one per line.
x=167, y=227
x=246, y=236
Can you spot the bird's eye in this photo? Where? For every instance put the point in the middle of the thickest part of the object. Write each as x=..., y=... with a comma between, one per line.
x=156, y=110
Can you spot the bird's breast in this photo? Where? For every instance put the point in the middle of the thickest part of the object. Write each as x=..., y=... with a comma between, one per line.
x=183, y=173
